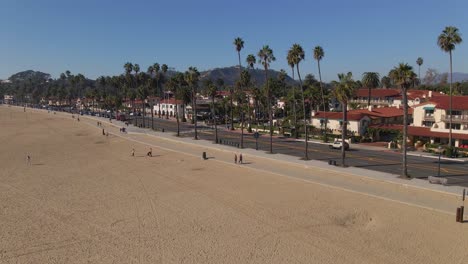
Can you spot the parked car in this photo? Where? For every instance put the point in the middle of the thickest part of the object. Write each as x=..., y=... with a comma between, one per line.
x=338, y=144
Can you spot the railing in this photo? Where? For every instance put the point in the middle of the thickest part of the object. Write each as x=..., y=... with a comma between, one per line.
x=372, y=101
x=429, y=117
x=459, y=118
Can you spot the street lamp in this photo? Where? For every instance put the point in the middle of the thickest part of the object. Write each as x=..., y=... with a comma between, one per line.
x=440, y=153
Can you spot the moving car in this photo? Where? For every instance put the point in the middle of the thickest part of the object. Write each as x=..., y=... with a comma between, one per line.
x=338, y=144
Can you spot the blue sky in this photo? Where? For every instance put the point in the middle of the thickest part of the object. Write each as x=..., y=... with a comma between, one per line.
x=96, y=37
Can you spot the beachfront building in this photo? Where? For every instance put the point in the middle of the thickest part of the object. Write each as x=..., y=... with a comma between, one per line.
x=358, y=120
x=432, y=120
x=379, y=97
x=171, y=107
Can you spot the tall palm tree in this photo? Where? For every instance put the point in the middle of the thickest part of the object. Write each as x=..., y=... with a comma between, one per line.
x=447, y=41
x=265, y=57
x=403, y=76
x=371, y=80
x=164, y=69
x=150, y=71
x=344, y=90
x=296, y=56
x=211, y=92
x=419, y=62
x=156, y=69
x=291, y=64
x=251, y=63
x=239, y=45
x=192, y=76
x=318, y=56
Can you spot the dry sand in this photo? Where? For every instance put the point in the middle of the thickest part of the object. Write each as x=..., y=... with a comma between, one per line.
x=85, y=199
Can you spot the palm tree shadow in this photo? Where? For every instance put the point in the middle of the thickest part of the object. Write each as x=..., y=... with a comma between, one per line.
x=38, y=164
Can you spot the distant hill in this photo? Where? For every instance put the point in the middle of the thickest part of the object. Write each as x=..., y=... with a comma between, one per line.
x=460, y=77
x=231, y=74
x=29, y=74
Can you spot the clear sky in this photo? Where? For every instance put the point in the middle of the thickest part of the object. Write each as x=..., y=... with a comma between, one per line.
x=96, y=37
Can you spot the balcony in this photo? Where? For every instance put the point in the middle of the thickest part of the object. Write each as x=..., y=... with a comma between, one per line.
x=373, y=102
x=428, y=117
x=455, y=118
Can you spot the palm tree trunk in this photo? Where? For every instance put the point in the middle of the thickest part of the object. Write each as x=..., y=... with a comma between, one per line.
x=368, y=96
x=344, y=130
x=194, y=102
x=177, y=118
x=269, y=110
x=405, y=132
x=241, y=112
x=294, y=105
x=232, y=111
x=450, y=103
x=324, y=105
x=214, y=119
x=306, y=154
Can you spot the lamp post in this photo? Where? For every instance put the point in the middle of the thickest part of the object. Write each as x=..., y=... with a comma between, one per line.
x=440, y=153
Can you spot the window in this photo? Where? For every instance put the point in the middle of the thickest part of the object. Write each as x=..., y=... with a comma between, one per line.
x=429, y=112
x=454, y=126
x=428, y=123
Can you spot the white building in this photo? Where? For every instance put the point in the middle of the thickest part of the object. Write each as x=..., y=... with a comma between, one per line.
x=169, y=106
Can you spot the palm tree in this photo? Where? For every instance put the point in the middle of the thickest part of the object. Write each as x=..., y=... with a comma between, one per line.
x=419, y=61
x=296, y=56
x=164, y=69
x=265, y=57
x=239, y=44
x=290, y=59
x=156, y=69
x=403, y=75
x=211, y=92
x=371, y=80
x=192, y=76
x=150, y=71
x=318, y=55
x=251, y=63
x=447, y=41
x=344, y=90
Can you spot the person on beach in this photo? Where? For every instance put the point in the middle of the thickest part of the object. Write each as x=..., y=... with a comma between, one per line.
x=78, y=119
x=133, y=152
x=103, y=132
x=28, y=157
x=240, y=158
x=235, y=158
x=150, y=153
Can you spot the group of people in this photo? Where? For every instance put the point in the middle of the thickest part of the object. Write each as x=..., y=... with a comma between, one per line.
x=240, y=158
x=149, y=153
x=99, y=123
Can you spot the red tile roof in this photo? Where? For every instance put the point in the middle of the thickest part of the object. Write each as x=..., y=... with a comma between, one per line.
x=378, y=93
x=354, y=115
x=443, y=102
x=171, y=101
x=421, y=131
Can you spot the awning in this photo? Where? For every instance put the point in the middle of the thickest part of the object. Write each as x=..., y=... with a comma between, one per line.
x=428, y=108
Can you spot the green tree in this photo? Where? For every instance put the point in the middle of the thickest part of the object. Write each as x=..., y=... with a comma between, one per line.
x=297, y=55
x=192, y=76
x=419, y=62
x=290, y=58
x=447, y=41
x=239, y=45
x=265, y=57
x=250, y=60
x=344, y=90
x=371, y=80
x=211, y=91
x=403, y=76
x=318, y=56
x=164, y=69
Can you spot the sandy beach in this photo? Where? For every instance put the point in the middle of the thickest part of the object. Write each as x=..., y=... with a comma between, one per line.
x=85, y=199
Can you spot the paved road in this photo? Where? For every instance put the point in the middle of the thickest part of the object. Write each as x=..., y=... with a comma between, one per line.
x=379, y=160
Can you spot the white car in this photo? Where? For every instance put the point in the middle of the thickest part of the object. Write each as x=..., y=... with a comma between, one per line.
x=338, y=144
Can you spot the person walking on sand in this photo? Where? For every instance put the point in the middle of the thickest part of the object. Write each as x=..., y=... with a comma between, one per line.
x=235, y=158
x=28, y=157
x=240, y=158
x=150, y=153
x=133, y=152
